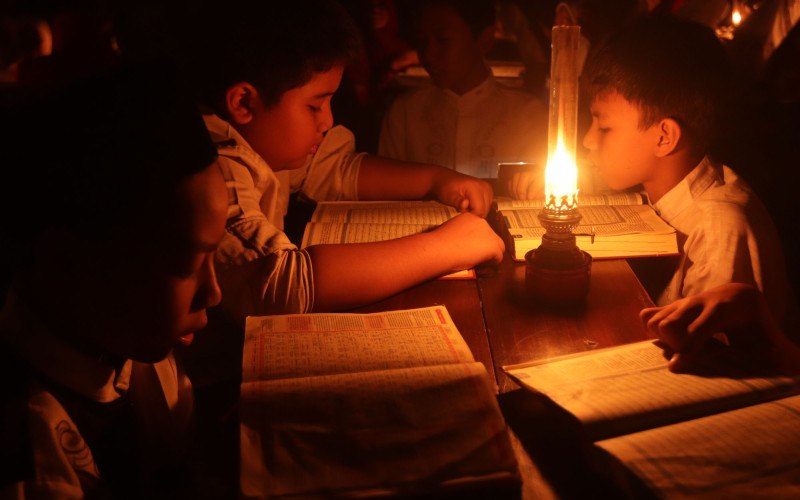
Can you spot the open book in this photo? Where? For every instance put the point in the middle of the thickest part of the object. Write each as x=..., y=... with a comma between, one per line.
x=336, y=222
x=729, y=427
x=367, y=404
x=613, y=225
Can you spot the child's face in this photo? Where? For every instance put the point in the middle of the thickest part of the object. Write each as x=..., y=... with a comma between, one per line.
x=448, y=50
x=150, y=292
x=285, y=134
x=622, y=153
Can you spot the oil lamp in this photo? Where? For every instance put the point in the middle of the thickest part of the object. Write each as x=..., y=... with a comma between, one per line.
x=558, y=271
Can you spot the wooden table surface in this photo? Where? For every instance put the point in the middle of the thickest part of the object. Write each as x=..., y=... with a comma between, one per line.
x=503, y=325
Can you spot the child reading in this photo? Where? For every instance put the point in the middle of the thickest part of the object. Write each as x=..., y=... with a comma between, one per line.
x=655, y=90
x=466, y=120
x=274, y=72
x=111, y=266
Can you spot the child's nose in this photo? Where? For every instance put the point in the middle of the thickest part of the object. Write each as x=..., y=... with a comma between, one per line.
x=209, y=294
x=326, y=120
x=590, y=139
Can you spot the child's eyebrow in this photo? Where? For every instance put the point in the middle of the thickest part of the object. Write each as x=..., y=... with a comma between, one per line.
x=324, y=95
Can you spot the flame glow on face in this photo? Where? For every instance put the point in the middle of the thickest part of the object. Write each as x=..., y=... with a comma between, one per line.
x=561, y=179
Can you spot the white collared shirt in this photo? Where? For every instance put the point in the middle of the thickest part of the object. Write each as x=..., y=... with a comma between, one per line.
x=470, y=133
x=259, y=270
x=725, y=234
x=64, y=466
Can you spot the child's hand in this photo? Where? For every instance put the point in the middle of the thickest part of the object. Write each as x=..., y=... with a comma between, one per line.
x=470, y=241
x=526, y=185
x=737, y=310
x=466, y=193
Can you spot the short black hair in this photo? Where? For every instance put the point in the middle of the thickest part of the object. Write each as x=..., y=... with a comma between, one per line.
x=95, y=155
x=478, y=14
x=667, y=68
x=274, y=46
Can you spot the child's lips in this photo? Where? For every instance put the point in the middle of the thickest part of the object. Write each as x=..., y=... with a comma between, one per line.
x=186, y=340
x=313, y=149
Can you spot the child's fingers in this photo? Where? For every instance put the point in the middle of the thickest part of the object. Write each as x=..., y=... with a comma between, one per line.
x=671, y=324
x=647, y=313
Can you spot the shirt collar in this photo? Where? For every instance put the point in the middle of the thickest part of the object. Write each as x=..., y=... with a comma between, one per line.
x=473, y=95
x=231, y=144
x=705, y=175
x=229, y=141
x=57, y=360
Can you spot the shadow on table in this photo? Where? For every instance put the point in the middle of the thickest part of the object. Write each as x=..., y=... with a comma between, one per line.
x=556, y=443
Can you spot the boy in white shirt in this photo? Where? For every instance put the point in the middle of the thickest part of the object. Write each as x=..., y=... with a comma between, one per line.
x=274, y=72
x=656, y=90
x=466, y=120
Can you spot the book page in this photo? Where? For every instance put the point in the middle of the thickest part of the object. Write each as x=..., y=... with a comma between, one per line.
x=607, y=198
x=752, y=452
x=318, y=233
x=606, y=247
x=600, y=219
x=387, y=212
x=304, y=345
x=628, y=388
x=391, y=429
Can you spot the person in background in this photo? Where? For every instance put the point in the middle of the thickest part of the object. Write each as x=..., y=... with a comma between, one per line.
x=465, y=120
x=739, y=311
x=656, y=89
x=266, y=88
x=113, y=213
x=369, y=83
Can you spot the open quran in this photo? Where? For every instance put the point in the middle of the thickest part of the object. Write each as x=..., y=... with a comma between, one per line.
x=613, y=225
x=728, y=429
x=368, y=221
x=361, y=405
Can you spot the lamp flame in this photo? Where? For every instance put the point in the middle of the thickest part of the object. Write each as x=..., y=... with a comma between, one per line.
x=736, y=18
x=561, y=179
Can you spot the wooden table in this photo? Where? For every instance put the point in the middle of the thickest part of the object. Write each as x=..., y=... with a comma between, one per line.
x=503, y=325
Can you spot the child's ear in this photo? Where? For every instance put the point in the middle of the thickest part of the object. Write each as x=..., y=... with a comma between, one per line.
x=486, y=39
x=669, y=134
x=239, y=101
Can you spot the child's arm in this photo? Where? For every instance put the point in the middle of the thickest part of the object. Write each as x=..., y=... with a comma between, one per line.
x=385, y=179
x=350, y=275
x=740, y=311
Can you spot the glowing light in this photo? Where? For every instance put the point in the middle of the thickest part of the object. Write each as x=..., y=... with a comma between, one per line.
x=561, y=179
x=736, y=18
x=561, y=173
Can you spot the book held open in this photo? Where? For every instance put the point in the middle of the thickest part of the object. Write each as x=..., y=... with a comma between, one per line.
x=366, y=404
x=728, y=429
x=613, y=225
x=336, y=222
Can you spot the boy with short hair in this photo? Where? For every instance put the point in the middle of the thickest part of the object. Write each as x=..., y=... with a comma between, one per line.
x=110, y=266
x=270, y=94
x=656, y=90
x=466, y=120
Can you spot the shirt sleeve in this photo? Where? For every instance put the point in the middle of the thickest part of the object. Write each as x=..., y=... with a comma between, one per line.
x=332, y=173
x=261, y=272
x=719, y=251
x=258, y=268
